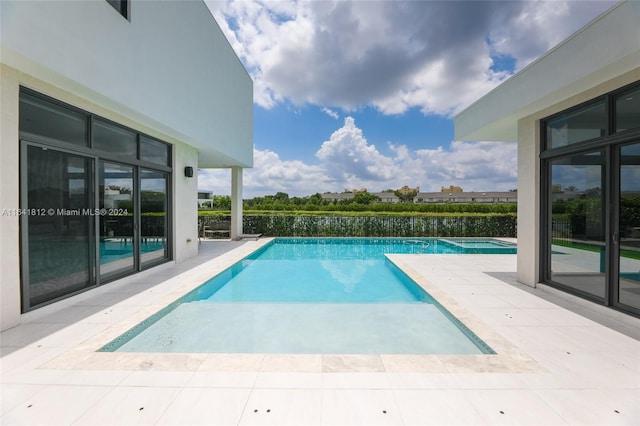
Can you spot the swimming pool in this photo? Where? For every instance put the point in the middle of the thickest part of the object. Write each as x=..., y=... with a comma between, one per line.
x=309, y=295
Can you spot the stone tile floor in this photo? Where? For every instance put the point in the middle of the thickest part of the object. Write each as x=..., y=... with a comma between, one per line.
x=560, y=360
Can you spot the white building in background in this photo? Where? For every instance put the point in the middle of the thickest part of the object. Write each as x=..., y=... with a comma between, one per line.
x=103, y=94
x=575, y=113
x=466, y=197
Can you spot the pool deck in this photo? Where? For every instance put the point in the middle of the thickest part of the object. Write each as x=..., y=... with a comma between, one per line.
x=560, y=360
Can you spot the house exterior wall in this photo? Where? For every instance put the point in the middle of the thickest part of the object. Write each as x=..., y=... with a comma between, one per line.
x=601, y=57
x=168, y=53
x=529, y=149
x=168, y=72
x=528, y=201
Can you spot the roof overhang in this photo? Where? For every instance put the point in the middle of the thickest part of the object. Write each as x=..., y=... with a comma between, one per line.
x=606, y=48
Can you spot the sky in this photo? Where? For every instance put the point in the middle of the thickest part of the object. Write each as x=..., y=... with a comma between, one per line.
x=362, y=94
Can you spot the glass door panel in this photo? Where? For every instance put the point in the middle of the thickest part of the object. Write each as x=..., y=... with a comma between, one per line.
x=629, y=233
x=117, y=231
x=59, y=232
x=578, y=250
x=153, y=220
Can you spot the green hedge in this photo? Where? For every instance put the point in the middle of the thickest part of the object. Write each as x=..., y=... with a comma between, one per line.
x=326, y=225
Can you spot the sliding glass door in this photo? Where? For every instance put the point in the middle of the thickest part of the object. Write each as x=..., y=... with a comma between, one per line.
x=94, y=200
x=578, y=239
x=117, y=225
x=590, y=169
x=57, y=231
x=153, y=216
x=628, y=236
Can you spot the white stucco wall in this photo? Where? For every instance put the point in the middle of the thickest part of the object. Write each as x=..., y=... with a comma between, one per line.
x=528, y=201
x=185, y=203
x=169, y=68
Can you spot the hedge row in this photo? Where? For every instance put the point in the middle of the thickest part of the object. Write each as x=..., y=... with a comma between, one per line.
x=372, y=225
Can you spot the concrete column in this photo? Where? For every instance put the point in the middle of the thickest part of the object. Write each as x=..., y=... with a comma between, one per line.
x=185, y=203
x=236, y=203
x=9, y=199
x=528, y=201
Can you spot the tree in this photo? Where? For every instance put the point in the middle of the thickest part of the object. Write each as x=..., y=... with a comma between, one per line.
x=406, y=196
x=364, y=198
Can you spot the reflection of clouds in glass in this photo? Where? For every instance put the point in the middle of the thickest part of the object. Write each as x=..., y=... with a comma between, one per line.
x=346, y=272
x=630, y=178
x=630, y=168
x=580, y=177
x=153, y=185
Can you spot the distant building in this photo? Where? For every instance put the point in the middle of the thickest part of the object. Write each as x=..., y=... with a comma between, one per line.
x=406, y=190
x=451, y=188
x=466, y=197
x=387, y=197
x=334, y=196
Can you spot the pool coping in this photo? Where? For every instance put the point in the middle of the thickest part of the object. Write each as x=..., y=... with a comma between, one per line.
x=85, y=356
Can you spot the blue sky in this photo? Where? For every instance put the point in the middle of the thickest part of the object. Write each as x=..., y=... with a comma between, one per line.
x=351, y=95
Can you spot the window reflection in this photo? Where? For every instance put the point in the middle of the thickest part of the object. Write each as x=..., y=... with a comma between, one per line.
x=114, y=139
x=586, y=123
x=116, y=218
x=59, y=235
x=628, y=110
x=629, y=287
x=577, y=223
x=153, y=208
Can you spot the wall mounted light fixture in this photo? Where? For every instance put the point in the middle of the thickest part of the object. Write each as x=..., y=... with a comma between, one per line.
x=188, y=171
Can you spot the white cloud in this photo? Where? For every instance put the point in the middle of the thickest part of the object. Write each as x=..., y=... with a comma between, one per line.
x=394, y=56
x=347, y=160
x=347, y=156
x=433, y=55
x=330, y=112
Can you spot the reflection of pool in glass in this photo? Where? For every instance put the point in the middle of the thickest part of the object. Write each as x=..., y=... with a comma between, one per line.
x=122, y=248
x=300, y=295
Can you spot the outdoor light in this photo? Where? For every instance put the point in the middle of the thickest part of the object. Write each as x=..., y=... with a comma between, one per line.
x=188, y=171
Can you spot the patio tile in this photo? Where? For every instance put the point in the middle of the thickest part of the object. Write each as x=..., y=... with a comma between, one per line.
x=54, y=405
x=158, y=378
x=415, y=381
x=15, y=394
x=231, y=362
x=223, y=379
x=129, y=405
x=282, y=407
x=206, y=407
x=292, y=363
x=352, y=363
x=360, y=407
x=355, y=381
x=436, y=407
x=413, y=363
x=289, y=380
x=594, y=407
x=513, y=407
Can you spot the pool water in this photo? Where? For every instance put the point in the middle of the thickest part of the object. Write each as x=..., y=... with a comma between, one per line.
x=309, y=296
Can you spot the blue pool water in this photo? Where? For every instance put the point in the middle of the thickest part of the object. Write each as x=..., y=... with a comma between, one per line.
x=309, y=296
